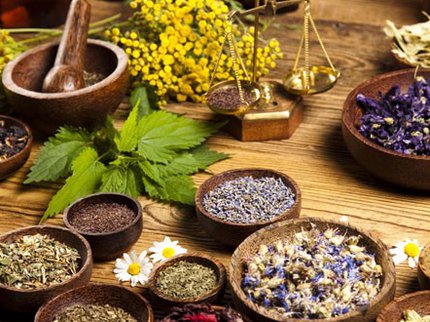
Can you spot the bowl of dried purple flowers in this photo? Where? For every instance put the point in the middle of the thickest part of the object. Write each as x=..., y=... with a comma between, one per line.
x=203, y=312
x=386, y=127
x=311, y=269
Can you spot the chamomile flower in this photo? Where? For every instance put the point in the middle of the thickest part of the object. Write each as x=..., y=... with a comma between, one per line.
x=165, y=249
x=133, y=268
x=406, y=250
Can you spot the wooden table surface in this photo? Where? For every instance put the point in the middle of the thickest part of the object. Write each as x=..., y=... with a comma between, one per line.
x=332, y=183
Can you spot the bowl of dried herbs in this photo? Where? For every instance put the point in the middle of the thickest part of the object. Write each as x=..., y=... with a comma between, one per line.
x=386, y=127
x=311, y=269
x=412, y=307
x=39, y=262
x=203, y=312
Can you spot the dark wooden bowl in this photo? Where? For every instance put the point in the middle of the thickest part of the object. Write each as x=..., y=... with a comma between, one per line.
x=233, y=234
x=86, y=107
x=165, y=302
x=30, y=300
x=394, y=167
x=9, y=166
x=423, y=269
x=98, y=294
x=418, y=301
x=108, y=245
x=280, y=231
x=217, y=308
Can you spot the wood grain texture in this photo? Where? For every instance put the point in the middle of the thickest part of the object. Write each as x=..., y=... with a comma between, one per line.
x=331, y=181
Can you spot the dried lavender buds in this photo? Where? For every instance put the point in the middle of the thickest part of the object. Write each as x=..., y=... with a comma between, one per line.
x=247, y=200
x=193, y=312
x=312, y=275
x=398, y=121
x=13, y=140
x=228, y=98
x=36, y=261
x=90, y=313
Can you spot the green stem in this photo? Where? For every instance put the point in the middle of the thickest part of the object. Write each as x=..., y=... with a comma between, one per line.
x=105, y=21
x=32, y=30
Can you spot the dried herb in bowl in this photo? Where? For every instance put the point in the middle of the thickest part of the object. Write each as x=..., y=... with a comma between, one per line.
x=13, y=140
x=91, y=312
x=202, y=313
x=413, y=316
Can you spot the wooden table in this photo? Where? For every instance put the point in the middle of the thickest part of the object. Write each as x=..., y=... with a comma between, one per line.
x=332, y=183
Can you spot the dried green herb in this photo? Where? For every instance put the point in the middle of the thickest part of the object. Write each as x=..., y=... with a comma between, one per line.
x=36, y=261
x=412, y=316
x=90, y=313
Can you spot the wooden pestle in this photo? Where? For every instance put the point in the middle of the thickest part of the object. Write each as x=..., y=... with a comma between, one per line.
x=67, y=74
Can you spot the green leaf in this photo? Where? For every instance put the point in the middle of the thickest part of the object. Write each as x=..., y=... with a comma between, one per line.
x=205, y=157
x=87, y=173
x=120, y=179
x=127, y=139
x=150, y=170
x=140, y=99
x=69, y=134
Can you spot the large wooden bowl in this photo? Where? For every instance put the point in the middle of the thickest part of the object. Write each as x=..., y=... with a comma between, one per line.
x=280, y=231
x=86, y=107
x=30, y=300
x=423, y=269
x=394, y=167
x=233, y=234
x=98, y=294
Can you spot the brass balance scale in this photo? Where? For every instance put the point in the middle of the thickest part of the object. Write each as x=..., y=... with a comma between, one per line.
x=269, y=109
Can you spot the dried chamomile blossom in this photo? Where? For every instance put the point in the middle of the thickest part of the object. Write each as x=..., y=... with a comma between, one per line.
x=413, y=316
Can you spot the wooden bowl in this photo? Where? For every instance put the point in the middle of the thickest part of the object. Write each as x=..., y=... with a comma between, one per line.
x=12, y=164
x=108, y=245
x=98, y=294
x=166, y=302
x=280, y=231
x=233, y=234
x=394, y=167
x=418, y=301
x=423, y=269
x=30, y=300
x=86, y=107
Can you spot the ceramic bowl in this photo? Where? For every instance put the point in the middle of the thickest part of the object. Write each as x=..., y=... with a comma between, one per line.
x=12, y=164
x=108, y=245
x=418, y=301
x=423, y=269
x=280, y=231
x=166, y=302
x=394, y=167
x=98, y=294
x=233, y=234
x=19, y=300
x=86, y=107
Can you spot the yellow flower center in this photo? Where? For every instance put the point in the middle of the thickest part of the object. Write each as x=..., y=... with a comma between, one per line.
x=168, y=252
x=412, y=250
x=134, y=269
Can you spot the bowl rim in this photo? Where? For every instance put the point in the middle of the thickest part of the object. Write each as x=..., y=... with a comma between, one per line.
x=29, y=143
x=85, y=265
x=420, y=266
x=350, y=102
x=237, y=290
x=8, y=82
x=198, y=199
x=136, y=219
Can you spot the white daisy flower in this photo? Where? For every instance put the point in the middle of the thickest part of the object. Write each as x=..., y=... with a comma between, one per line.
x=406, y=250
x=133, y=268
x=165, y=249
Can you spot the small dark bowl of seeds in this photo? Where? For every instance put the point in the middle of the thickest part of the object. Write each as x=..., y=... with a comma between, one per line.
x=187, y=279
x=111, y=222
x=16, y=141
x=234, y=204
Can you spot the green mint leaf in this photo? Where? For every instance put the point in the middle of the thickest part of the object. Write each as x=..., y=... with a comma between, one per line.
x=120, y=179
x=126, y=141
x=139, y=98
x=87, y=173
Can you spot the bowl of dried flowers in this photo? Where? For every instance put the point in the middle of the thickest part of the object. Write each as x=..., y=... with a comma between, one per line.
x=203, y=312
x=39, y=262
x=234, y=204
x=96, y=302
x=386, y=127
x=413, y=307
x=187, y=279
x=311, y=269
x=423, y=268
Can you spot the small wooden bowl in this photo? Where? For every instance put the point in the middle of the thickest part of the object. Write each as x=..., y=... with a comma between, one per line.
x=98, y=294
x=280, y=231
x=418, y=301
x=30, y=300
x=233, y=234
x=423, y=269
x=86, y=107
x=394, y=167
x=108, y=245
x=217, y=308
x=9, y=166
x=166, y=302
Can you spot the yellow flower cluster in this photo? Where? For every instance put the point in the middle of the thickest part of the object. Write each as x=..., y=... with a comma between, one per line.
x=173, y=45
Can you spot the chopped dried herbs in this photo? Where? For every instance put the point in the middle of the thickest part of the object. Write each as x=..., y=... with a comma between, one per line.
x=398, y=121
x=13, y=140
x=412, y=316
x=228, y=98
x=92, y=78
x=36, y=261
x=202, y=313
x=90, y=313
x=312, y=275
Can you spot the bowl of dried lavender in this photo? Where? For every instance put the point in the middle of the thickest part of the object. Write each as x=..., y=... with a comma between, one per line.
x=97, y=302
x=39, y=262
x=234, y=204
x=311, y=269
x=15, y=145
x=386, y=127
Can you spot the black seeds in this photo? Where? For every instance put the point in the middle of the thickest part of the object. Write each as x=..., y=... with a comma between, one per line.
x=228, y=98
